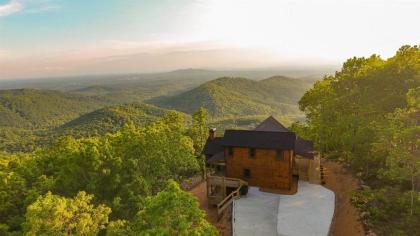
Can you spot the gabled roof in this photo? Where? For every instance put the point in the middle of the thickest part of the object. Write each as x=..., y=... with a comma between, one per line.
x=304, y=148
x=259, y=139
x=270, y=134
x=271, y=124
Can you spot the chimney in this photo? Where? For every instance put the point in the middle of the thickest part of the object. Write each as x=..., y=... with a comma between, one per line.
x=212, y=133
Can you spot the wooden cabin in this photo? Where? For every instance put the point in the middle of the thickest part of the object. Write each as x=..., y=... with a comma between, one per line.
x=264, y=157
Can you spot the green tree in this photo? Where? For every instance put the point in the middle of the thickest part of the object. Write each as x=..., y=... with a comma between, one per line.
x=343, y=110
x=367, y=114
x=400, y=139
x=56, y=215
x=118, y=228
x=171, y=212
x=121, y=169
x=199, y=130
x=12, y=194
x=20, y=185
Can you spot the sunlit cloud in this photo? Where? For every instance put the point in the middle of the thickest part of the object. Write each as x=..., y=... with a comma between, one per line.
x=161, y=46
x=118, y=56
x=28, y=7
x=132, y=36
x=43, y=8
x=10, y=8
x=3, y=54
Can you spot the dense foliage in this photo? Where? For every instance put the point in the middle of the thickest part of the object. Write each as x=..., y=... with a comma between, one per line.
x=368, y=116
x=170, y=212
x=56, y=215
x=17, y=139
x=111, y=119
x=234, y=97
x=27, y=115
x=96, y=123
x=35, y=109
x=199, y=130
x=118, y=171
x=89, y=107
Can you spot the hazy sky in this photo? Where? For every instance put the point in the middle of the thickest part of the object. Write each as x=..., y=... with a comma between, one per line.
x=65, y=37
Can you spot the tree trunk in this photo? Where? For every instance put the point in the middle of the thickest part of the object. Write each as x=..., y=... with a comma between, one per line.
x=412, y=195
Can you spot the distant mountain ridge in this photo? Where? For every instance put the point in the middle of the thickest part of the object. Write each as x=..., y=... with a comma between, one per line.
x=233, y=96
x=31, y=117
x=194, y=76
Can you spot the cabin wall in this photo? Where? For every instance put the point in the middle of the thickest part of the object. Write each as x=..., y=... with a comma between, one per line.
x=301, y=167
x=266, y=170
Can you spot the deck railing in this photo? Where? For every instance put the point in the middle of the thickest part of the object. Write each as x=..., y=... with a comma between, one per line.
x=228, y=200
x=224, y=182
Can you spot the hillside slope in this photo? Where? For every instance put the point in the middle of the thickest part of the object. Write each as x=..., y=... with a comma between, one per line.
x=36, y=109
x=229, y=97
x=111, y=118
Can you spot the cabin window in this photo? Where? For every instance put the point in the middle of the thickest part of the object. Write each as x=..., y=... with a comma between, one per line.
x=280, y=155
x=230, y=151
x=247, y=173
x=252, y=152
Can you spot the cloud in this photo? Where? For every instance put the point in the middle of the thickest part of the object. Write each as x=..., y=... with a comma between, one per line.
x=42, y=7
x=119, y=56
x=9, y=8
x=4, y=54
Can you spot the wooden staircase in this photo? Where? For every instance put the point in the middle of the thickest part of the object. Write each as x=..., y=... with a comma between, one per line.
x=217, y=188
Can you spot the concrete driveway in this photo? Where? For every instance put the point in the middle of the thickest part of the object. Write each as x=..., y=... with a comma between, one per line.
x=256, y=213
x=308, y=212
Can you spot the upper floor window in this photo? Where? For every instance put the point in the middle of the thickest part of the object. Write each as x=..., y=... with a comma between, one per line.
x=252, y=152
x=280, y=155
x=230, y=151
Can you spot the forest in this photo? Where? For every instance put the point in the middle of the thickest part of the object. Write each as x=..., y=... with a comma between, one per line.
x=121, y=183
x=368, y=116
x=113, y=159
x=36, y=117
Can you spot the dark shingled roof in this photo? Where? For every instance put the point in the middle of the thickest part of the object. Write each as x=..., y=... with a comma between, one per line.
x=270, y=134
x=213, y=146
x=220, y=156
x=304, y=147
x=259, y=139
x=271, y=124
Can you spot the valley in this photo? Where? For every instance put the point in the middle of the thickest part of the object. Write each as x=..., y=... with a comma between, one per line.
x=206, y=118
x=58, y=140
x=43, y=111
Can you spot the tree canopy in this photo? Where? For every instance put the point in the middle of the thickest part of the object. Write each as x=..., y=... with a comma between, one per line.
x=170, y=212
x=117, y=171
x=56, y=215
x=367, y=115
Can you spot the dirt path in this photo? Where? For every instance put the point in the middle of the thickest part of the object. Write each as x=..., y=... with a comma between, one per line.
x=339, y=180
x=223, y=225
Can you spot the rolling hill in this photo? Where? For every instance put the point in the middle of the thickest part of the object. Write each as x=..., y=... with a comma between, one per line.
x=39, y=109
x=98, y=122
x=233, y=97
x=31, y=118
x=110, y=119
